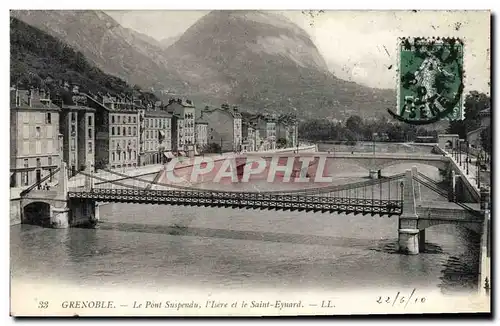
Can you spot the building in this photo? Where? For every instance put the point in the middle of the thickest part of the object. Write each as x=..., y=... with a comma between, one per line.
x=286, y=131
x=201, y=133
x=77, y=126
x=34, y=145
x=157, y=135
x=183, y=125
x=249, y=136
x=224, y=127
x=117, y=135
x=266, y=130
x=474, y=136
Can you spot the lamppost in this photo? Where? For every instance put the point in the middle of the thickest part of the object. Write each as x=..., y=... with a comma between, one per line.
x=478, y=167
x=297, y=134
x=467, y=157
x=460, y=153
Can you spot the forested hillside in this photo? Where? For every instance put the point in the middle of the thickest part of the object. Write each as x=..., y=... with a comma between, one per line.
x=40, y=60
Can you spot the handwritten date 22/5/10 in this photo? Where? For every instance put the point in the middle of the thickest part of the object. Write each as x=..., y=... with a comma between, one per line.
x=402, y=299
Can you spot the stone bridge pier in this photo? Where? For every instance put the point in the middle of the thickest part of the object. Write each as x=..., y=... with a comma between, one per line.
x=417, y=215
x=411, y=240
x=55, y=206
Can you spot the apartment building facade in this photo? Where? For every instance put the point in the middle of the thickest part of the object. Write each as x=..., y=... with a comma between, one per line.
x=157, y=135
x=35, y=139
x=77, y=126
x=224, y=127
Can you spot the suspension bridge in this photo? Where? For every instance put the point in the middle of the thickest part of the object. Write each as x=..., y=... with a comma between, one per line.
x=396, y=195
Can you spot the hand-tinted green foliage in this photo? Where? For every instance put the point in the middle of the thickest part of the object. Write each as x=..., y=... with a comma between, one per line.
x=40, y=60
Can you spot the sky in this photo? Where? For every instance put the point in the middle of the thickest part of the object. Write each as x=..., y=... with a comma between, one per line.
x=359, y=46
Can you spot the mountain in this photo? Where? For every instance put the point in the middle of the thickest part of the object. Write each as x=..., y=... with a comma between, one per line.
x=41, y=60
x=260, y=61
x=168, y=41
x=116, y=50
x=263, y=60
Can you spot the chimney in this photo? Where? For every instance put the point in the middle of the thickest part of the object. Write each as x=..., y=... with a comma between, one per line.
x=30, y=97
x=18, y=98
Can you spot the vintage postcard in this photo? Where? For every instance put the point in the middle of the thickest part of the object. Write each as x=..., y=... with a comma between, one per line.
x=249, y=163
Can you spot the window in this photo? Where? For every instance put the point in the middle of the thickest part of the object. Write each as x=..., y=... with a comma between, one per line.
x=49, y=131
x=129, y=119
x=73, y=116
x=123, y=143
x=90, y=120
x=73, y=144
x=112, y=119
x=161, y=123
x=73, y=129
x=25, y=178
x=135, y=131
x=124, y=131
x=90, y=133
x=26, y=164
x=38, y=131
x=118, y=130
x=113, y=144
x=119, y=119
x=112, y=131
x=147, y=123
x=26, y=131
x=49, y=160
x=133, y=155
x=119, y=156
x=156, y=123
x=26, y=148
x=129, y=155
x=49, y=146
x=113, y=156
x=38, y=163
x=134, y=119
x=26, y=117
x=90, y=147
x=129, y=130
x=48, y=118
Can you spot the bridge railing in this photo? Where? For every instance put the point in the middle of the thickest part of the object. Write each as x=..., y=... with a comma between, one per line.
x=445, y=194
x=317, y=190
x=36, y=184
x=245, y=200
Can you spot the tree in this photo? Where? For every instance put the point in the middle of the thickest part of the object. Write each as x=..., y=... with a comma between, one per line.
x=474, y=103
x=281, y=143
x=355, y=124
x=486, y=139
x=212, y=148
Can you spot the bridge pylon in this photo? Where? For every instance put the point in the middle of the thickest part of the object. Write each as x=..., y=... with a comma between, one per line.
x=410, y=239
x=59, y=216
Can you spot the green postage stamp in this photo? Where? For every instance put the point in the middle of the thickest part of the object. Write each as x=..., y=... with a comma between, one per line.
x=430, y=80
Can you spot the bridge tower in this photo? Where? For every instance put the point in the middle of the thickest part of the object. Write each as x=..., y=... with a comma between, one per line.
x=411, y=240
x=59, y=215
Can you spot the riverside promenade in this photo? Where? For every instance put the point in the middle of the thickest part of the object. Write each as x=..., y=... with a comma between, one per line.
x=470, y=174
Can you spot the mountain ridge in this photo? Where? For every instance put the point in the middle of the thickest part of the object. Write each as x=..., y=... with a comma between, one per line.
x=258, y=60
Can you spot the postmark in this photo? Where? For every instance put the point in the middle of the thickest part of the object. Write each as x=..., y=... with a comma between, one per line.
x=430, y=80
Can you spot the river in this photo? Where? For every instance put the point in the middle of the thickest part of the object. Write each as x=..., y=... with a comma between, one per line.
x=156, y=246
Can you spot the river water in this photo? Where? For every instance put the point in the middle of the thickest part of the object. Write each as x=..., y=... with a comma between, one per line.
x=157, y=246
